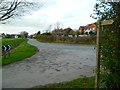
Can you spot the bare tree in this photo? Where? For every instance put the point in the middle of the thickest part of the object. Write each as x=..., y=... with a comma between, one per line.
x=58, y=25
x=11, y=8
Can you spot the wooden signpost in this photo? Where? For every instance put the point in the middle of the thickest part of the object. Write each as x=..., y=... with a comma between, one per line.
x=98, y=42
x=107, y=22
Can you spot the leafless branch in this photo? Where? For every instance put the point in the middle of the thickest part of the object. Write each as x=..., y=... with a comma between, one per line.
x=11, y=8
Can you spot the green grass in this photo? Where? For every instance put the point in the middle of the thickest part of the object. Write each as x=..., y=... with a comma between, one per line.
x=42, y=41
x=87, y=43
x=13, y=42
x=86, y=82
x=20, y=52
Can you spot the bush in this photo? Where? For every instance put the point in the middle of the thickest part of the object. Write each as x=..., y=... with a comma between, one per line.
x=46, y=38
x=46, y=33
x=110, y=57
x=92, y=33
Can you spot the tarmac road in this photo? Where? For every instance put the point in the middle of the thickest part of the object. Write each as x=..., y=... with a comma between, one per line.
x=52, y=64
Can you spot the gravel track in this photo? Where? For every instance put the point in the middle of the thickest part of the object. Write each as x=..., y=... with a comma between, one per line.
x=52, y=64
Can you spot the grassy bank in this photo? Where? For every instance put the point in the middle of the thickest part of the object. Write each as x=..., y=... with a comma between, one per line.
x=86, y=82
x=20, y=50
x=13, y=42
x=89, y=40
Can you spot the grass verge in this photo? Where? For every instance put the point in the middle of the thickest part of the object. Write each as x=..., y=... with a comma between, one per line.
x=86, y=43
x=13, y=42
x=24, y=50
x=86, y=82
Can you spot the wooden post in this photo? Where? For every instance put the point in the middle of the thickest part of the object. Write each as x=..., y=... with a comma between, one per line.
x=97, y=78
x=4, y=54
x=9, y=53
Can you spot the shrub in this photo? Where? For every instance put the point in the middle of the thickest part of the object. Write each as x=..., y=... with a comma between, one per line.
x=110, y=57
x=46, y=38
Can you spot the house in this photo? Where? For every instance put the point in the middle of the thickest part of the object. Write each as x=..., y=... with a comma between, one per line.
x=88, y=32
x=87, y=28
x=57, y=32
x=68, y=31
x=16, y=36
x=63, y=32
x=9, y=36
x=82, y=29
x=12, y=36
x=92, y=27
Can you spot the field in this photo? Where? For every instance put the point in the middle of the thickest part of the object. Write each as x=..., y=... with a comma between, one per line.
x=19, y=50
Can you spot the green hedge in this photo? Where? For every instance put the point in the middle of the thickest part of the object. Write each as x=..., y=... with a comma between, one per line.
x=110, y=56
x=74, y=40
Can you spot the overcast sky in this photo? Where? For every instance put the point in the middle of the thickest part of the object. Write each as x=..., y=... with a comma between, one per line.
x=70, y=13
